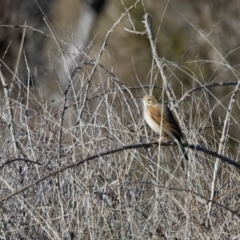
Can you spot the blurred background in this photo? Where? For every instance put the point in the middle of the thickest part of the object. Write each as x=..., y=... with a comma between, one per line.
x=199, y=42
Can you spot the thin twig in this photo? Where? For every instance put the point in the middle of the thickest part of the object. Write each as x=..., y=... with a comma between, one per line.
x=64, y=108
x=124, y=148
x=123, y=89
x=19, y=160
x=187, y=94
x=34, y=30
x=9, y=118
x=18, y=59
x=223, y=143
x=158, y=61
x=198, y=195
x=99, y=56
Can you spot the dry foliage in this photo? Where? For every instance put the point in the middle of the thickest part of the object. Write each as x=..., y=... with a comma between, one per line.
x=147, y=192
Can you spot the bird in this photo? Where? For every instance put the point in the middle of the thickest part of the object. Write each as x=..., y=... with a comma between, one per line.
x=162, y=121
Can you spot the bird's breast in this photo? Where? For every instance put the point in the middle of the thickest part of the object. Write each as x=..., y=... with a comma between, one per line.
x=151, y=123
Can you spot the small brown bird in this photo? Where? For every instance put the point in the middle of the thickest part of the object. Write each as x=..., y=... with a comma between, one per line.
x=161, y=120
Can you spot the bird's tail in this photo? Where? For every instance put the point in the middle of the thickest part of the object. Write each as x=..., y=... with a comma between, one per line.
x=179, y=142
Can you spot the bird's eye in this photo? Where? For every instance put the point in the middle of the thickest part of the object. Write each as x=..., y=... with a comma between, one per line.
x=149, y=100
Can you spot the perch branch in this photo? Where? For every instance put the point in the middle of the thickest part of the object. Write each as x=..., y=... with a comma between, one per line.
x=124, y=148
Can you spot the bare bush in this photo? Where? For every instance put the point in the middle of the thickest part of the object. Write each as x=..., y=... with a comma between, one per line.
x=131, y=188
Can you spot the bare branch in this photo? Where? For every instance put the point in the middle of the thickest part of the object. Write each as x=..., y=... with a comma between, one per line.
x=223, y=142
x=187, y=94
x=19, y=160
x=134, y=146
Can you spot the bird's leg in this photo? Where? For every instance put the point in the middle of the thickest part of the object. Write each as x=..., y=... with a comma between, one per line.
x=164, y=138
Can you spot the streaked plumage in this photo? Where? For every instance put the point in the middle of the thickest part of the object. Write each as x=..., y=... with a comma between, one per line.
x=161, y=120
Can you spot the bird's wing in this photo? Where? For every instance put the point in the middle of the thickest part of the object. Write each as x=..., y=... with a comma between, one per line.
x=162, y=115
x=173, y=124
x=156, y=115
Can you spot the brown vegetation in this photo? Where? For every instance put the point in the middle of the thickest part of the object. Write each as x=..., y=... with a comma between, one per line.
x=87, y=169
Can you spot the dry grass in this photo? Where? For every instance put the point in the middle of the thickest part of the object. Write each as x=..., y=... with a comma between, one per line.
x=142, y=193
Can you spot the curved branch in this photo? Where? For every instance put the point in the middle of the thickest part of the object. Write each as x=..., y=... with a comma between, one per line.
x=186, y=94
x=19, y=159
x=134, y=146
